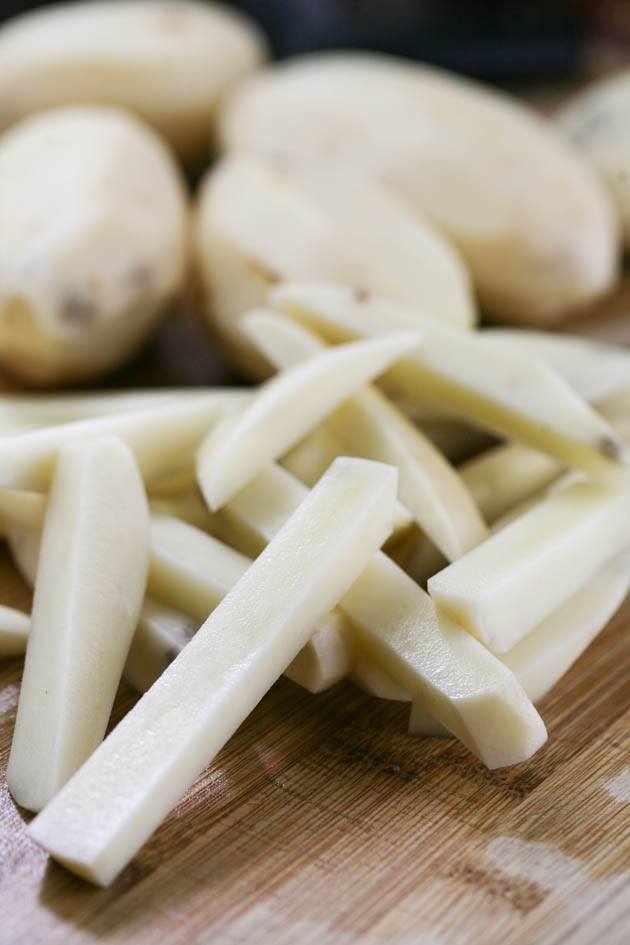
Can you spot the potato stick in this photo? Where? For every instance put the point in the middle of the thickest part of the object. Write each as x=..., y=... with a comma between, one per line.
x=367, y=425
x=89, y=590
x=399, y=630
x=326, y=658
x=102, y=817
x=286, y=409
x=14, y=630
x=467, y=688
x=163, y=439
x=594, y=369
x=542, y=658
x=311, y=457
x=369, y=676
x=503, y=588
x=188, y=506
x=505, y=392
x=161, y=634
x=24, y=545
x=506, y=475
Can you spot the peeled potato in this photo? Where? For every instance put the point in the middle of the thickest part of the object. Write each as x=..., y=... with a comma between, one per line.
x=528, y=214
x=93, y=241
x=261, y=221
x=166, y=61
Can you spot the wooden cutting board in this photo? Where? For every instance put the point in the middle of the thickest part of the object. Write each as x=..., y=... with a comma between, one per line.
x=324, y=822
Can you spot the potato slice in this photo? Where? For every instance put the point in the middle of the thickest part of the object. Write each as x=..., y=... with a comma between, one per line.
x=286, y=409
x=528, y=214
x=262, y=220
x=106, y=812
x=505, y=476
x=369, y=676
x=163, y=439
x=505, y=392
x=542, y=658
x=505, y=587
x=76, y=300
x=326, y=659
x=168, y=61
x=594, y=369
x=467, y=688
x=14, y=631
x=161, y=634
x=90, y=585
x=367, y=425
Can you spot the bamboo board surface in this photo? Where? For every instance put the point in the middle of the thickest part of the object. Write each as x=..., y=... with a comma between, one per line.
x=323, y=823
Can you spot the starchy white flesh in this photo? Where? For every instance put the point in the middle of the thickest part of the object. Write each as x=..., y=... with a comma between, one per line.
x=524, y=208
x=542, y=658
x=105, y=813
x=77, y=299
x=262, y=220
x=25, y=544
x=286, y=409
x=505, y=587
x=90, y=585
x=369, y=676
x=505, y=392
x=187, y=506
x=594, y=369
x=163, y=439
x=309, y=460
x=161, y=634
x=616, y=410
x=189, y=569
x=367, y=425
x=503, y=477
x=14, y=630
x=596, y=122
x=472, y=690
x=467, y=688
x=168, y=61
x=326, y=659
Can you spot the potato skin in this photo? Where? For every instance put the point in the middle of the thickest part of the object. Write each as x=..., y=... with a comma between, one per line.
x=264, y=219
x=94, y=241
x=524, y=208
x=166, y=60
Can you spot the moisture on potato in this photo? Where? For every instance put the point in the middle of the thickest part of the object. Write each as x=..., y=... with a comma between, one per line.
x=264, y=220
x=167, y=61
x=526, y=211
x=93, y=241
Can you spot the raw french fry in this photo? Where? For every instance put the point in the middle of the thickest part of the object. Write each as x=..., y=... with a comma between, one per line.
x=163, y=439
x=106, y=812
x=14, y=630
x=187, y=506
x=506, y=393
x=286, y=409
x=326, y=658
x=367, y=425
x=90, y=584
x=594, y=369
x=505, y=587
x=368, y=675
x=542, y=658
x=309, y=460
x=24, y=545
x=503, y=477
x=161, y=634
x=467, y=688
x=399, y=631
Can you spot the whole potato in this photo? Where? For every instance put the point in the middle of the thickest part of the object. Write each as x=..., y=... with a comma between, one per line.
x=93, y=241
x=527, y=212
x=168, y=61
x=262, y=220
x=597, y=121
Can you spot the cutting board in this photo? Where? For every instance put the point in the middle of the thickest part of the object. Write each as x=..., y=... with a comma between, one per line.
x=324, y=823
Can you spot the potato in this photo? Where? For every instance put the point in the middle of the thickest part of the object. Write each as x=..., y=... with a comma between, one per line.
x=528, y=214
x=93, y=241
x=597, y=122
x=261, y=221
x=166, y=61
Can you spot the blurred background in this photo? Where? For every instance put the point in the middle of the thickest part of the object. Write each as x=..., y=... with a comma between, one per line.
x=502, y=41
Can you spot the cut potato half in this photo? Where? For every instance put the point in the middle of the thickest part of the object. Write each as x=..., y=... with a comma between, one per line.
x=14, y=630
x=504, y=588
x=288, y=407
x=102, y=817
x=88, y=594
x=505, y=392
x=368, y=425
